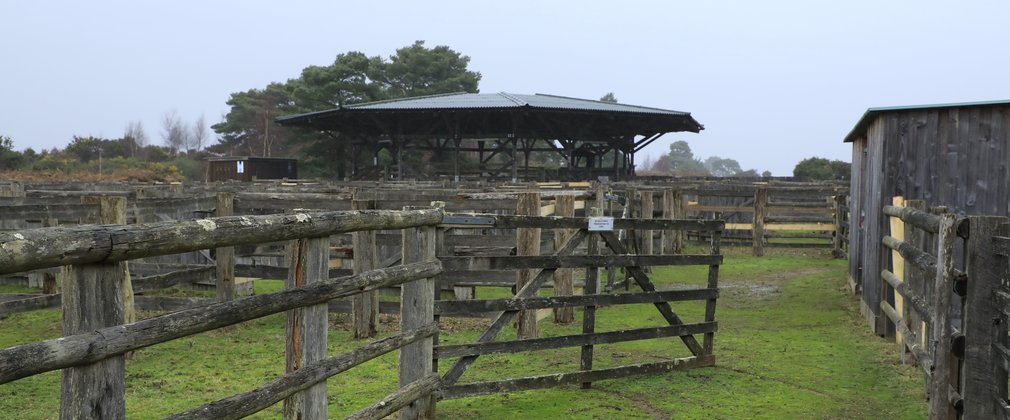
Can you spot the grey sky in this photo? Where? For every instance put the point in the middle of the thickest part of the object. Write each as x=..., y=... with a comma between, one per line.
x=773, y=81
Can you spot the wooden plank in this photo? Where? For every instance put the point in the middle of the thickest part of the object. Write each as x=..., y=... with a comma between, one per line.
x=516, y=222
x=918, y=218
x=27, y=304
x=550, y=381
x=48, y=247
x=534, y=344
x=527, y=246
x=785, y=226
x=98, y=344
x=983, y=379
x=446, y=307
x=245, y=404
x=421, y=388
x=173, y=278
x=514, y=262
x=365, y=316
x=715, y=248
x=417, y=302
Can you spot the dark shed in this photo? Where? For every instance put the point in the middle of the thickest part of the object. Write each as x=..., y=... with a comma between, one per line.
x=246, y=168
x=952, y=155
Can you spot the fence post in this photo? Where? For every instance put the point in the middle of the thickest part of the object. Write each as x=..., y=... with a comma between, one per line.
x=667, y=240
x=986, y=271
x=758, y=227
x=939, y=406
x=225, y=256
x=647, y=210
x=306, y=328
x=96, y=296
x=564, y=206
x=591, y=287
x=887, y=294
x=837, y=250
x=527, y=243
x=916, y=279
x=417, y=308
x=365, y=305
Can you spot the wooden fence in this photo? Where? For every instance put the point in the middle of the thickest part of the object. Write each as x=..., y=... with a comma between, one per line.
x=946, y=297
x=97, y=294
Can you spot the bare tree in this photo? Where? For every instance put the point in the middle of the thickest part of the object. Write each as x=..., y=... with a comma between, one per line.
x=135, y=132
x=174, y=132
x=198, y=134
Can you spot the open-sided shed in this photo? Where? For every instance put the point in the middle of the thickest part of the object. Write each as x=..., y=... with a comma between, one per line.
x=588, y=138
x=952, y=155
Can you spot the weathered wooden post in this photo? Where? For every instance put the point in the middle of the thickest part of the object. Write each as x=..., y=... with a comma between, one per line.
x=887, y=293
x=527, y=243
x=564, y=206
x=96, y=296
x=917, y=280
x=647, y=210
x=669, y=237
x=306, y=329
x=225, y=256
x=943, y=281
x=365, y=305
x=837, y=249
x=758, y=227
x=679, y=212
x=984, y=378
x=417, y=308
x=591, y=288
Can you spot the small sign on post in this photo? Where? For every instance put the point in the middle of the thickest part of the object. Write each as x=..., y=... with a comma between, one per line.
x=601, y=224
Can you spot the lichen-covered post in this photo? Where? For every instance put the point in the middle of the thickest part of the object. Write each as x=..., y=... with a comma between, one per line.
x=225, y=256
x=417, y=308
x=306, y=330
x=95, y=296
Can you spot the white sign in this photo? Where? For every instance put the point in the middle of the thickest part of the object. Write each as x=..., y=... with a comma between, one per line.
x=601, y=224
x=240, y=167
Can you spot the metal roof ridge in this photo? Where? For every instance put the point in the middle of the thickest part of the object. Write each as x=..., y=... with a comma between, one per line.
x=513, y=98
x=611, y=103
x=863, y=123
x=404, y=99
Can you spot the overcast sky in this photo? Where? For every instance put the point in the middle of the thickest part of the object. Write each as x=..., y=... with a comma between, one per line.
x=773, y=82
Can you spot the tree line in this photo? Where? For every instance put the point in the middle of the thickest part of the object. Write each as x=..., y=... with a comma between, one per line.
x=680, y=161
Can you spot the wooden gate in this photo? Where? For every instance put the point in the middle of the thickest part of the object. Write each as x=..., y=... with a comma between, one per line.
x=614, y=253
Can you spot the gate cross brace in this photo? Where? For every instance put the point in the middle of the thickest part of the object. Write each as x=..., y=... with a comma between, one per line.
x=643, y=281
x=505, y=317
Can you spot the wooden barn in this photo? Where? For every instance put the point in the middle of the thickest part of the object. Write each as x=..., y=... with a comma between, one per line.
x=952, y=155
x=247, y=168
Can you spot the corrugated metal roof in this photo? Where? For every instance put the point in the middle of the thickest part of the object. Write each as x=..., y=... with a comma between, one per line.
x=871, y=113
x=501, y=100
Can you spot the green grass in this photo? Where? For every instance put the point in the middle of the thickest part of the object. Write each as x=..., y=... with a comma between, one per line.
x=791, y=344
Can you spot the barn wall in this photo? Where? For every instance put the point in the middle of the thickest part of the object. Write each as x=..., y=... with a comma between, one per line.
x=955, y=157
x=857, y=183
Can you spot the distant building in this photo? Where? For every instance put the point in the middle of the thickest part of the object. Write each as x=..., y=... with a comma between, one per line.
x=247, y=168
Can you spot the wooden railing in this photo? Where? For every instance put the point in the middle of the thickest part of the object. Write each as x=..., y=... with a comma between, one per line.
x=97, y=334
x=946, y=272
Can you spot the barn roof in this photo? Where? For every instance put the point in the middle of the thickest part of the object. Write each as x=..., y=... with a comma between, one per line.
x=871, y=114
x=477, y=114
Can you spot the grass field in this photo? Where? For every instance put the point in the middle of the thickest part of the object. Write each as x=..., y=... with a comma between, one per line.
x=791, y=344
